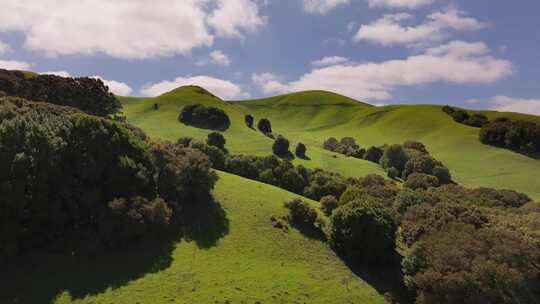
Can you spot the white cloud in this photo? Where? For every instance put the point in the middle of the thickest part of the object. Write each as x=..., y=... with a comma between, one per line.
x=116, y=87
x=456, y=62
x=519, y=105
x=269, y=82
x=125, y=28
x=14, y=65
x=57, y=73
x=220, y=58
x=390, y=29
x=399, y=3
x=235, y=18
x=330, y=60
x=222, y=88
x=322, y=6
x=4, y=48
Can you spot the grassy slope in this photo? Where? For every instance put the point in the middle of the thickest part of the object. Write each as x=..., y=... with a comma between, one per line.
x=163, y=124
x=471, y=162
x=251, y=263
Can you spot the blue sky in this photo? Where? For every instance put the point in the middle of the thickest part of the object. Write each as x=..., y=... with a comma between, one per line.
x=476, y=54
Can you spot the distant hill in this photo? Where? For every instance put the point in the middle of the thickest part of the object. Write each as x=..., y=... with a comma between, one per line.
x=313, y=116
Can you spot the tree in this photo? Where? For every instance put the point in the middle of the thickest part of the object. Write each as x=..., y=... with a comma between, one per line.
x=331, y=144
x=373, y=154
x=328, y=204
x=442, y=174
x=264, y=126
x=420, y=163
x=301, y=213
x=200, y=116
x=300, y=150
x=249, y=121
x=292, y=181
x=281, y=146
x=216, y=139
x=363, y=232
x=394, y=156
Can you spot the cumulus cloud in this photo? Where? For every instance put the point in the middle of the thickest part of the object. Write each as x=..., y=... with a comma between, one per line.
x=322, y=6
x=391, y=29
x=4, y=48
x=14, y=65
x=399, y=3
x=124, y=28
x=235, y=18
x=519, y=105
x=330, y=60
x=220, y=58
x=269, y=83
x=456, y=62
x=116, y=87
x=222, y=88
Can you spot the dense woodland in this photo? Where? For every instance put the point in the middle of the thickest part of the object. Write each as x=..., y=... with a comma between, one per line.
x=71, y=176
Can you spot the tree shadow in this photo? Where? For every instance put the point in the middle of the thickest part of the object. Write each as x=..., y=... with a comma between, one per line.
x=310, y=231
x=304, y=157
x=387, y=278
x=287, y=156
x=42, y=276
x=205, y=223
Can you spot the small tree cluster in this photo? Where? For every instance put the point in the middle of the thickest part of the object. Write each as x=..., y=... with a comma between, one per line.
x=301, y=213
x=204, y=117
x=476, y=120
x=521, y=136
x=265, y=126
x=346, y=146
x=281, y=146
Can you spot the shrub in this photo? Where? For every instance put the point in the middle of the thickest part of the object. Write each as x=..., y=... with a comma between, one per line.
x=392, y=173
x=460, y=116
x=300, y=150
x=243, y=166
x=292, y=181
x=352, y=194
x=328, y=204
x=494, y=133
x=363, y=232
x=322, y=183
x=249, y=121
x=464, y=264
x=89, y=95
x=374, y=154
x=331, y=144
x=301, y=213
x=442, y=174
x=264, y=126
x=217, y=140
x=394, y=156
x=477, y=120
x=421, y=181
x=420, y=163
x=408, y=198
x=267, y=177
x=281, y=146
x=203, y=117
x=346, y=146
x=415, y=145
x=216, y=156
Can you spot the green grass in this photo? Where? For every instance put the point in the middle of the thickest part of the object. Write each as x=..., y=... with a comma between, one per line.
x=313, y=116
x=245, y=261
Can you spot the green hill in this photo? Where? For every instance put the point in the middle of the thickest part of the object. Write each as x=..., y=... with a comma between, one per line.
x=244, y=260
x=313, y=116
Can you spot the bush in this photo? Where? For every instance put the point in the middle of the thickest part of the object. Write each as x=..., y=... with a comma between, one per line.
x=292, y=181
x=301, y=213
x=264, y=126
x=217, y=140
x=203, y=117
x=300, y=150
x=420, y=163
x=421, y=181
x=267, y=177
x=322, y=183
x=363, y=232
x=346, y=146
x=442, y=174
x=89, y=95
x=281, y=146
x=394, y=156
x=477, y=120
x=374, y=154
x=464, y=264
x=408, y=198
x=249, y=121
x=243, y=166
x=415, y=145
x=331, y=144
x=392, y=173
x=328, y=204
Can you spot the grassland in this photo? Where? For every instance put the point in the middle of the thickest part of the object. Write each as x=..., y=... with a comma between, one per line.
x=238, y=257
x=311, y=117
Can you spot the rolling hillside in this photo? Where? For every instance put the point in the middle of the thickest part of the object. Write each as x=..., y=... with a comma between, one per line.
x=242, y=260
x=311, y=117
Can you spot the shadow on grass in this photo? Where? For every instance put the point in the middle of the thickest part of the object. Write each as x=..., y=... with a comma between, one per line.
x=386, y=278
x=310, y=231
x=304, y=157
x=42, y=277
